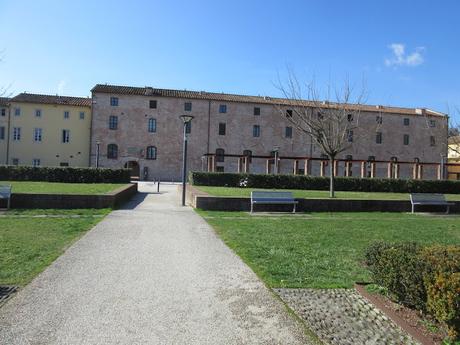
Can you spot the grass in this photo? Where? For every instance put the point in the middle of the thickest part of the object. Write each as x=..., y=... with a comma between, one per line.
x=322, y=250
x=314, y=194
x=28, y=244
x=61, y=188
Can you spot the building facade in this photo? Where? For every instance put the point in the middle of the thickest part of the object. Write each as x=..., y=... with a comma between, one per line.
x=45, y=130
x=139, y=127
x=4, y=115
x=454, y=158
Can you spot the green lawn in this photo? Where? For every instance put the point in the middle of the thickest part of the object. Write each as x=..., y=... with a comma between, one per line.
x=322, y=250
x=314, y=194
x=29, y=244
x=61, y=188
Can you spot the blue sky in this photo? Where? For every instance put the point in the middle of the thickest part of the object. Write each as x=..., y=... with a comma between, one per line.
x=407, y=51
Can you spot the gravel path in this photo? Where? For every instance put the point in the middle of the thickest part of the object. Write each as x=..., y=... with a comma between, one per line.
x=152, y=273
x=343, y=317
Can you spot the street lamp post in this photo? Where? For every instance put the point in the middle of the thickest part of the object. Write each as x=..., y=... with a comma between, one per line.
x=186, y=119
x=98, y=143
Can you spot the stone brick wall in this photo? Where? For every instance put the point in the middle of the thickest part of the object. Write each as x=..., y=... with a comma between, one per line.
x=132, y=136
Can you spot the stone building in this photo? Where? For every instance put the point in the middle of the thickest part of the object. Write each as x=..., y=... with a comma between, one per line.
x=139, y=127
x=45, y=130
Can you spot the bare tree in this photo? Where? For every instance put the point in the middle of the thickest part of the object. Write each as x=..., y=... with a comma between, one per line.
x=330, y=123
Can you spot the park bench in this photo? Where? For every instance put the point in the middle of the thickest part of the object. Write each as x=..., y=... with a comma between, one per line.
x=5, y=193
x=272, y=198
x=429, y=199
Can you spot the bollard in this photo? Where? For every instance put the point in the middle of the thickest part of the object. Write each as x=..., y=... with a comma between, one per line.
x=158, y=186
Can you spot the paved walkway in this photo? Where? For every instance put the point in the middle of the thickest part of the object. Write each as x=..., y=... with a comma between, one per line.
x=152, y=273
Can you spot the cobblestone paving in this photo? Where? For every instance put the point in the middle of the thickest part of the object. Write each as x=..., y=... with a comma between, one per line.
x=342, y=317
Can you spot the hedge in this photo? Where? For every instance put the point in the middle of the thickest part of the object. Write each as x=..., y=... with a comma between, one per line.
x=322, y=183
x=426, y=278
x=64, y=174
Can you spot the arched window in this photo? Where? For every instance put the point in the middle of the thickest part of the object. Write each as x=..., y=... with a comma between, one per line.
x=151, y=152
x=220, y=155
x=248, y=153
x=112, y=151
x=394, y=159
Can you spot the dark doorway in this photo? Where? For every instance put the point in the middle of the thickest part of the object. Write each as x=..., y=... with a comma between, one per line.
x=134, y=166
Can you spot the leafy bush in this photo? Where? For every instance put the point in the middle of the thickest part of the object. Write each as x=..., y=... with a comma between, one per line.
x=64, y=174
x=442, y=281
x=398, y=268
x=425, y=278
x=322, y=183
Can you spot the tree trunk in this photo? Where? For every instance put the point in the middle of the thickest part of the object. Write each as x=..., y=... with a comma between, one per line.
x=331, y=177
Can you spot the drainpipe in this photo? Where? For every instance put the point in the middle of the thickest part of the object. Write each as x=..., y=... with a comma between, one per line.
x=8, y=135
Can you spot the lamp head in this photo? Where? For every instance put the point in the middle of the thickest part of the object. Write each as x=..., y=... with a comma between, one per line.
x=186, y=118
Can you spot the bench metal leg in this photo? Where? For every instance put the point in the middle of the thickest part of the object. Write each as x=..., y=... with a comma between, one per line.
x=293, y=211
x=252, y=205
x=413, y=208
x=448, y=209
x=8, y=204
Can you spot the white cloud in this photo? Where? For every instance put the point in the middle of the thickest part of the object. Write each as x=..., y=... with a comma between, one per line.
x=60, y=87
x=400, y=58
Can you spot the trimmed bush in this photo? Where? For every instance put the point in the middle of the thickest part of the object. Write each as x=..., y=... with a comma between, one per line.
x=64, y=174
x=442, y=281
x=322, y=183
x=427, y=279
x=398, y=268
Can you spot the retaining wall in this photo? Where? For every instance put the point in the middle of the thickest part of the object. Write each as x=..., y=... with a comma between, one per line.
x=72, y=201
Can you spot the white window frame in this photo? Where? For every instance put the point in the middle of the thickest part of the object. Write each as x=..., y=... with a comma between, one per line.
x=16, y=133
x=38, y=135
x=66, y=136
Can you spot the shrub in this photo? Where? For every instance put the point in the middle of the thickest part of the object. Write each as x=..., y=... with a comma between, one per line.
x=398, y=268
x=322, y=183
x=425, y=278
x=442, y=281
x=64, y=174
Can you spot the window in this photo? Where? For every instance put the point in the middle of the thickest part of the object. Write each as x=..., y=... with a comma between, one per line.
x=36, y=162
x=151, y=152
x=349, y=157
x=188, y=127
x=66, y=114
x=222, y=128
x=379, y=119
x=16, y=134
x=350, y=135
x=3, y=112
x=248, y=154
x=256, y=131
x=38, y=113
x=406, y=139
x=112, y=151
x=378, y=137
x=113, y=122
x=406, y=121
x=64, y=164
x=320, y=115
x=17, y=111
x=37, y=134
x=288, y=132
x=432, y=123
x=153, y=104
x=2, y=133
x=82, y=115
x=66, y=135
x=220, y=155
x=220, y=169
x=222, y=108
x=371, y=158
x=114, y=101
x=256, y=111
x=15, y=161
x=350, y=117
x=289, y=113
x=188, y=106
x=432, y=141
x=152, y=125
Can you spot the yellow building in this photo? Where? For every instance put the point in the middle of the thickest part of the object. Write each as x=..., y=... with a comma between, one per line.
x=44, y=130
x=4, y=109
x=454, y=158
